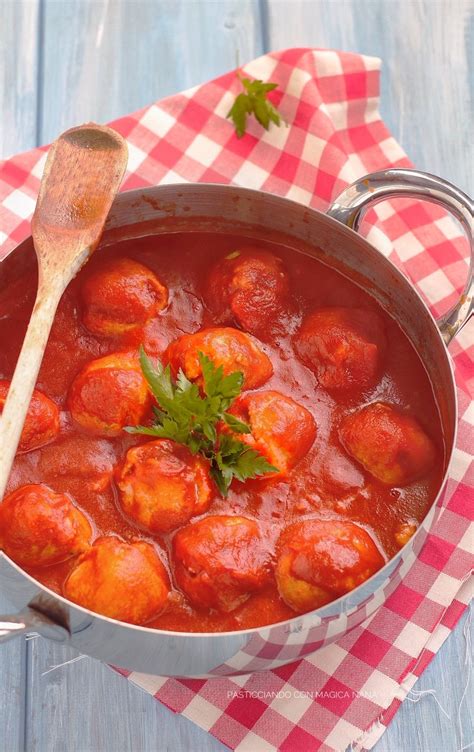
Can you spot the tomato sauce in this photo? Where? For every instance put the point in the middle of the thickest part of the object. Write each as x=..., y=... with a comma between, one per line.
x=327, y=482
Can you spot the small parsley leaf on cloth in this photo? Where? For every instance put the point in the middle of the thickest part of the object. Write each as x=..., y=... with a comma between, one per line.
x=253, y=101
x=188, y=417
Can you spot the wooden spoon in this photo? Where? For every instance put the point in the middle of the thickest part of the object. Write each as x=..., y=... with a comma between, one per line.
x=81, y=177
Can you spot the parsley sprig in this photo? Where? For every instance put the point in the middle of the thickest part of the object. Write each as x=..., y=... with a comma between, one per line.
x=191, y=418
x=253, y=101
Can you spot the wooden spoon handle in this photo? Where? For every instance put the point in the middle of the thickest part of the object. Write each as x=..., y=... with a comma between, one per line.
x=24, y=378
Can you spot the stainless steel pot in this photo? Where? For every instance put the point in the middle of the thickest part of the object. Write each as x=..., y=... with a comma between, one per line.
x=218, y=208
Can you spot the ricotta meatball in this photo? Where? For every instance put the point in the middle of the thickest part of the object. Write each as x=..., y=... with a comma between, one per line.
x=226, y=347
x=320, y=560
x=281, y=429
x=42, y=420
x=109, y=394
x=125, y=581
x=390, y=444
x=220, y=561
x=120, y=296
x=249, y=287
x=162, y=485
x=343, y=346
x=39, y=527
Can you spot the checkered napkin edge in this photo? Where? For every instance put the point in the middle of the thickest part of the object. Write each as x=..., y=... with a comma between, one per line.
x=347, y=692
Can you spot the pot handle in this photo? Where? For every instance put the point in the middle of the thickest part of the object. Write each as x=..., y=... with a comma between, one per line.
x=350, y=206
x=31, y=620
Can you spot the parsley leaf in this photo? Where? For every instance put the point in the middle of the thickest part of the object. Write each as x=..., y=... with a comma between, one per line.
x=226, y=388
x=190, y=418
x=253, y=101
x=235, y=424
x=234, y=459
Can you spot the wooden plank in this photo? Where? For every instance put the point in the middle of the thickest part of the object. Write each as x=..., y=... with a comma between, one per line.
x=104, y=59
x=426, y=53
x=114, y=58
x=84, y=706
x=12, y=689
x=18, y=107
x=18, y=75
x=425, y=48
x=19, y=32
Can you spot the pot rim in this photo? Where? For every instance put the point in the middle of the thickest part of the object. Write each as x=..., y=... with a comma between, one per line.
x=128, y=196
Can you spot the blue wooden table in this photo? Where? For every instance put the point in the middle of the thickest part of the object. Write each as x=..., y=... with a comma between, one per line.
x=63, y=62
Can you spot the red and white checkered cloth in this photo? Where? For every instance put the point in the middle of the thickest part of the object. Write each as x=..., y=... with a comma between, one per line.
x=347, y=692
